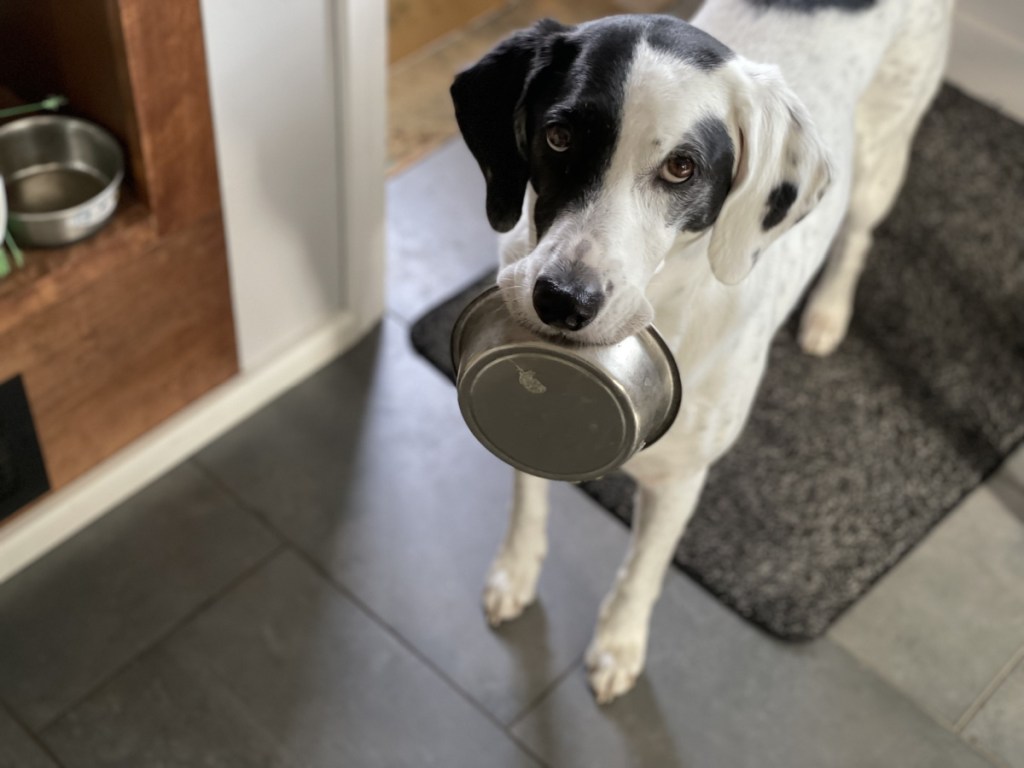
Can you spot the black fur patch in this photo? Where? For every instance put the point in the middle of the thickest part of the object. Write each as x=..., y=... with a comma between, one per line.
x=697, y=202
x=779, y=202
x=571, y=75
x=485, y=97
x=582, y=89
x=692, y=45
x=582, y=86
x=810, y=6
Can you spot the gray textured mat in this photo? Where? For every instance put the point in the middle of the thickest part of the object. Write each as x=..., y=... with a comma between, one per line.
x=847, y=462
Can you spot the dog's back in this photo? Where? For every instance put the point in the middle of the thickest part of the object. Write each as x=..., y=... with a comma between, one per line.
x=865, y=70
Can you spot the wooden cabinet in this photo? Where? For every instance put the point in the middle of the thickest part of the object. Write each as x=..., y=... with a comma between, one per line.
x=114, y=334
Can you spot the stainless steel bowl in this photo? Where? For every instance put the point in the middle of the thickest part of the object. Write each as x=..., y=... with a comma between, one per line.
x=559, y=411
x=63, y=178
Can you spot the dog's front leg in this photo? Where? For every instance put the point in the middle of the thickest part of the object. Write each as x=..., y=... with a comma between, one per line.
x=512, y=581
x=617, y=653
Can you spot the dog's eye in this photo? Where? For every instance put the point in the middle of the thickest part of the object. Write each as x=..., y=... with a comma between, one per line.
x=559, y=137
x=677, y=169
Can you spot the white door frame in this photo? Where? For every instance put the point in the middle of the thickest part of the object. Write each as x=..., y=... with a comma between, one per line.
x=360, y=37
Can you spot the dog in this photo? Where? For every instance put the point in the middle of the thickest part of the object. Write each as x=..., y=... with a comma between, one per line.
x=697, y=176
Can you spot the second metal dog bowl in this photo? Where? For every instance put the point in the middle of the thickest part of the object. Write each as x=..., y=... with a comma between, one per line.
x=63, y=178
x=559, y=411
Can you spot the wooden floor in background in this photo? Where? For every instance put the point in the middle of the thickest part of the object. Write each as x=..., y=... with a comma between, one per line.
x=412, y=24
x=420, y=112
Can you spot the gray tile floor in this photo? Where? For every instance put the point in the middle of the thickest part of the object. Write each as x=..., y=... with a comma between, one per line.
x=304, y=592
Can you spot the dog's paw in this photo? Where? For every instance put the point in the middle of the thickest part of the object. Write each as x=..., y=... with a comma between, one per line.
x=511, y=586
x=614, y=662
x=822, y=329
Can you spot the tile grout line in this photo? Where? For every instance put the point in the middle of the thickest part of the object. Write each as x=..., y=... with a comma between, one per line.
x=382, y=624
x=914, y=703
x=416, y=653
x=34, y=737
x=278, y=547
x=982, y=699
x=576, y=664
x=390, y=313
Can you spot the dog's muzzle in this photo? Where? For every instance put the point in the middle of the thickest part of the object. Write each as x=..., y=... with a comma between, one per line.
x=560, y=410
x=567, y=296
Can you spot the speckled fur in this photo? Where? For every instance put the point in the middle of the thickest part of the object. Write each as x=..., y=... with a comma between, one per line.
x=817, y=110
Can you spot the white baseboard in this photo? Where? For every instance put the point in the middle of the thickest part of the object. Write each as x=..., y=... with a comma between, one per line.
x=38, y=529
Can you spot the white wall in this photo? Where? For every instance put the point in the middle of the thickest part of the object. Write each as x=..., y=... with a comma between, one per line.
x=987, y=54
x=272, y=72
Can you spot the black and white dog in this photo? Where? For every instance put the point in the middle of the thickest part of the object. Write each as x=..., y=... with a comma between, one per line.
x=642, y=167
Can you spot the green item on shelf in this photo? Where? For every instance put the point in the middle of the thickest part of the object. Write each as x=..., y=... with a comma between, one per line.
x=16, y=254
x=49, y=104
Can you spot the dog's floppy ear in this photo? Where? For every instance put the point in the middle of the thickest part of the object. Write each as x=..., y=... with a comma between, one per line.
x=487, y=97
x=782, y=173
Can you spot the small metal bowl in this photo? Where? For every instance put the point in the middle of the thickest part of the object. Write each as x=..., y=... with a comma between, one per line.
x=63, y=178
x=559, y=411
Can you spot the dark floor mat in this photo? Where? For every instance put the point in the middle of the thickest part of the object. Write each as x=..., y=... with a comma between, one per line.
x=848, y=461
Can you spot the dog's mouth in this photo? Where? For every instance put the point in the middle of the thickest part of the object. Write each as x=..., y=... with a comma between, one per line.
x=620, y=319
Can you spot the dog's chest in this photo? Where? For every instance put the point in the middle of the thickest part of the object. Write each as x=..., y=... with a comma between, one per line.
x=705, y=321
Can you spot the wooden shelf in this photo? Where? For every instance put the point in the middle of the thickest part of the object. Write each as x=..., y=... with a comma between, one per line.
x=114, y=334
x=51, y=274
x=119, y=334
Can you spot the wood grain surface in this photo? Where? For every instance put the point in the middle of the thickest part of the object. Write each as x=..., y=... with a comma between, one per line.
x=116, y=333
x=166, y=62
x=414, y=23
x=132, y=335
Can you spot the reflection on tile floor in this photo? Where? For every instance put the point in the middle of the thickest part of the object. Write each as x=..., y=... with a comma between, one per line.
x=283, y=670
x=90, y=607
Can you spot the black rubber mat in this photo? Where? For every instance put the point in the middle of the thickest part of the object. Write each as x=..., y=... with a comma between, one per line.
x=848, y=461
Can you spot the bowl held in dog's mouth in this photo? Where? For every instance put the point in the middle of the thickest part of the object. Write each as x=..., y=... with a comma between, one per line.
x=555, y=410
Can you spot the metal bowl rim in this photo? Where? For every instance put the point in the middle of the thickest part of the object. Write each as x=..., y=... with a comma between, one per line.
x=671, y=413
x=61, y=213
x=677, y=389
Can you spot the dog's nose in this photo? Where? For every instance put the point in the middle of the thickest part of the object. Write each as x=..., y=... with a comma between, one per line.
x=568, y=304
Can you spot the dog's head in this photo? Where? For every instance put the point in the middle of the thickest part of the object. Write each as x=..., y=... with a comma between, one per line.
x=621, y=141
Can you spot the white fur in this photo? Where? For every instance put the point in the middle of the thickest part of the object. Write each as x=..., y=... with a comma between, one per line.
x=861, y=103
